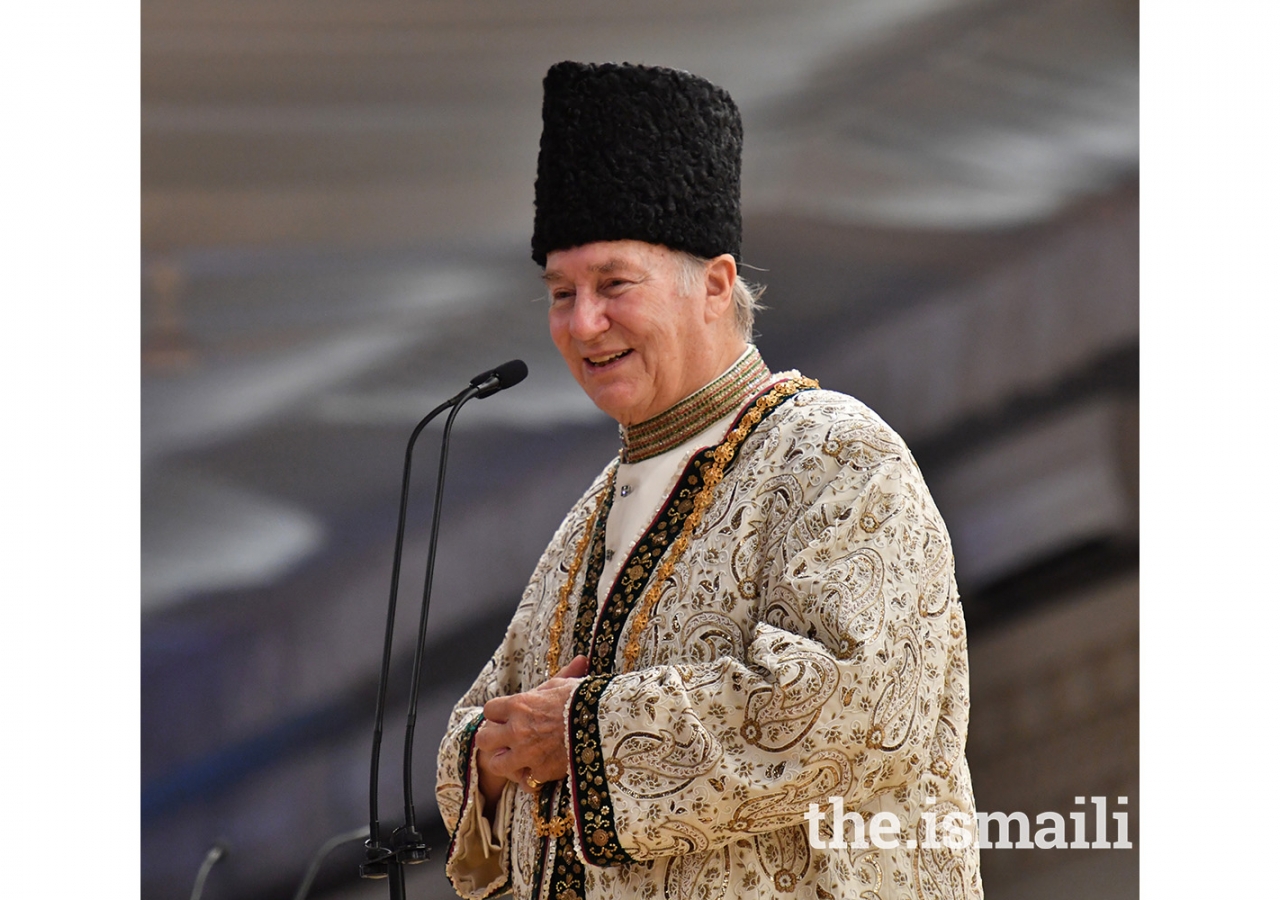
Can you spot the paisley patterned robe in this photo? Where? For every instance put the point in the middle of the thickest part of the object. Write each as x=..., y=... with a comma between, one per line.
x=809, y=644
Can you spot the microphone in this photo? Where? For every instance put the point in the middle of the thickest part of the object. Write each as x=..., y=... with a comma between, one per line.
x=216, y=852
x=500, y=378
x=407, y=842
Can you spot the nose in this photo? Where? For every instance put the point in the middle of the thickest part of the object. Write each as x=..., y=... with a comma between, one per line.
x=588, y=319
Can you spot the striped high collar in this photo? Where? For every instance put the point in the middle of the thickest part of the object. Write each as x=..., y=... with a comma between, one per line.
x=696, y=412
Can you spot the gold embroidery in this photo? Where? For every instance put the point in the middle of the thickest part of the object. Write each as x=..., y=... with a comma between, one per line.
x=566, y=590
x=554, y=828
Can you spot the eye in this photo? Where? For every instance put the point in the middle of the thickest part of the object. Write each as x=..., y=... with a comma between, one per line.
x=559, y=295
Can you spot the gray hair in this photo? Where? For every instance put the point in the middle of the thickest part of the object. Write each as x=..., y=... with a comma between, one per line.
x=746, y=296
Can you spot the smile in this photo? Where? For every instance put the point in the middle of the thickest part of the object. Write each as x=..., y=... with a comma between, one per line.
x=600, y=361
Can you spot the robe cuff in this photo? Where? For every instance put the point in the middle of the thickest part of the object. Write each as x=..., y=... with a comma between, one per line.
x=592, y=806
x=477, y=861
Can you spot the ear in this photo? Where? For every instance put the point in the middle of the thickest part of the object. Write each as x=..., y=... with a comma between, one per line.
x=722, y=272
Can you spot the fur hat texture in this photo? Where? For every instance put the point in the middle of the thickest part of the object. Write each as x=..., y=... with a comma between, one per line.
x=634, y=152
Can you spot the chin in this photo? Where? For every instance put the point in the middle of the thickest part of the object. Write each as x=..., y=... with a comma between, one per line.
x=615, y=407
x=620, y=416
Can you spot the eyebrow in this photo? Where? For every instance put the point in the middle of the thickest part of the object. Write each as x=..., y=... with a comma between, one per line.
x=605, y=268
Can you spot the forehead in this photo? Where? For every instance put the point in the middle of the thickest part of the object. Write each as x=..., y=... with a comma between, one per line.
x=608, y=257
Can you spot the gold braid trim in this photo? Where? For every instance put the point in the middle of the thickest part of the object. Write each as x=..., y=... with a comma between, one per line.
x=558, y=826
x=711, y=477
x=557, y=624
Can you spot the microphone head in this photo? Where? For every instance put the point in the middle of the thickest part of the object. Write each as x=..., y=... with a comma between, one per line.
x=500, y=378
x=511, y=373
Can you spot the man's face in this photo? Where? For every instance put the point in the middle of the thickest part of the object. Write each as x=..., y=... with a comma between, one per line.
x=634, y=344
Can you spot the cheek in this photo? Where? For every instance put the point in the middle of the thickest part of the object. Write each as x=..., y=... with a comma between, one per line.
x=559, y=328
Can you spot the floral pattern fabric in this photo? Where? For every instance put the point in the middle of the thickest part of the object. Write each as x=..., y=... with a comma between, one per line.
x=808, y=644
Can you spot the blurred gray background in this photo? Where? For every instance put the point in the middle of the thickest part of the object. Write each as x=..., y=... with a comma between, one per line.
x=942, y=196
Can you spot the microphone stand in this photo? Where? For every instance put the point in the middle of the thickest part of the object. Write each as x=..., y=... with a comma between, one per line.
x=412, y=838
x=407, y=844
x=380, y=859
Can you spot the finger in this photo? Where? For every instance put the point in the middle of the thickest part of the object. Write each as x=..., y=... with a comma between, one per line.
x=497, y=710
x=500, y=764
x=492, y=738
x=576, y=668
x=504, y=759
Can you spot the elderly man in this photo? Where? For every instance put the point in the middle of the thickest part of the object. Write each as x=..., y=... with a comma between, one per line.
x=746, y=635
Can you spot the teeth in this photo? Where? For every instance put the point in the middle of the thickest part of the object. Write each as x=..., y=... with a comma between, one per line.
x=601, y=360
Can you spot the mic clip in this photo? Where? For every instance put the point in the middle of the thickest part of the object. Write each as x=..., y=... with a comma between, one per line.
x=409, y=846
x=490, y=385
x=377, y=862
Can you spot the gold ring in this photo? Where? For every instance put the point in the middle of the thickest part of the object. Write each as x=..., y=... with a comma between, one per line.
x=534, y=783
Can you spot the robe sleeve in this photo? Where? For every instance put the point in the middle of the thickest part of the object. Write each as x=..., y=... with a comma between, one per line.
x=840, y=689
x=478, y=859
x=478, y=862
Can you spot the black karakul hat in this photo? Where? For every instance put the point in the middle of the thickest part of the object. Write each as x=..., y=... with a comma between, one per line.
x=637, y=153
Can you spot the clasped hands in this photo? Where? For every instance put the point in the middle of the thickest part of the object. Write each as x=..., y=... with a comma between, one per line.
x=522, y=736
